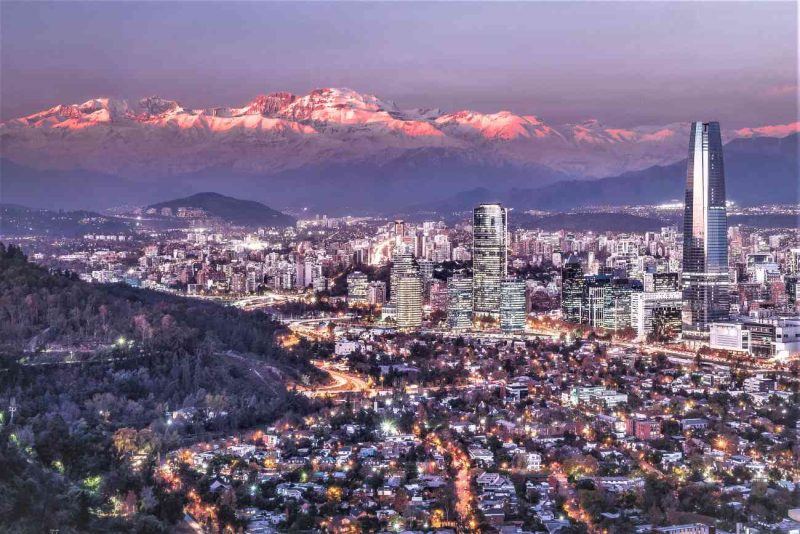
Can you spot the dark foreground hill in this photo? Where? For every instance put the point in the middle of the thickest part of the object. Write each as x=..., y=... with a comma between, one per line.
x=96, y=373
x=232, y=210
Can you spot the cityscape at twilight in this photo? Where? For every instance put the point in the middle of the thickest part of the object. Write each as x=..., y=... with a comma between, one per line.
x=399, y=267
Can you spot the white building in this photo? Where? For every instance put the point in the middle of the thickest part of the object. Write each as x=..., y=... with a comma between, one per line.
x=408, y=300
x=650, y=308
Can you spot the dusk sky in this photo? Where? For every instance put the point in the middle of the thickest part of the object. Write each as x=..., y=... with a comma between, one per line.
x=623, y=63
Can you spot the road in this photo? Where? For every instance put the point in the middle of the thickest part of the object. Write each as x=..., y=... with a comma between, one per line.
x=342, y=383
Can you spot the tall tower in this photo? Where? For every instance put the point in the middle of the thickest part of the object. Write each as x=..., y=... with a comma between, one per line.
x=572, y=285
x=402, y=262
x=513, y=315
x=489, y=228
x=705, y=231
x=408, y=300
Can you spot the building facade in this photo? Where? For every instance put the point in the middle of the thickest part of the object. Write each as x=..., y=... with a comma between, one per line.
x=357, y=287
x=459, y=302
x=705, y=244
x=408, y=300
x=489, y=258
x=572, y=285
x=512, y=305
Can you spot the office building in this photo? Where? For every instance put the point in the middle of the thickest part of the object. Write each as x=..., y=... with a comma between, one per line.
x=657, y=282
x=705, y=246
x=357, y=286
x=656, y=313
x=459, y=302
x=437, y=295
x=512, y=305
x=489, y=257
x=572, y=285
x=402, y=262
x=376, y=293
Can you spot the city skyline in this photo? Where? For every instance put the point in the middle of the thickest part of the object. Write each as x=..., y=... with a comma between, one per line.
x=411, y=267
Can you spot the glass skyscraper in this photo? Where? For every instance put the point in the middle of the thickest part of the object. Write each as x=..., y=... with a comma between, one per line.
x=512, y=305
x=705, y=231
x=572, y=284
x=489, y=227
x=459, y=302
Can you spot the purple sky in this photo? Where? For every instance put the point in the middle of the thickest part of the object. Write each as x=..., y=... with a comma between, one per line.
x=625, y=63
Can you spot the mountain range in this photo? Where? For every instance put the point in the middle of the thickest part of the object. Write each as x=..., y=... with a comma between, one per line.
x=331, y=147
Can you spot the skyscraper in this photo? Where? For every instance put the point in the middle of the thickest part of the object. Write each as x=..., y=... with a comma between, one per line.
x=408, y=300
x=705, y=230
x=459, y=302
x=572, y=285
x=489, y=226
x=512, y=305
x=402, y=262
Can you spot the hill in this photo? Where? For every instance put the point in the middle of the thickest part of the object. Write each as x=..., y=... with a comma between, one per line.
x=98, y=373
x=232, y=210
x=18, y=220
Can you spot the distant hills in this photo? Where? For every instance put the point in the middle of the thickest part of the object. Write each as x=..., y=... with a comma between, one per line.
x=18, y=220
x=439, y=180
x=232, y=210
x=334, y=150
x=759, y=170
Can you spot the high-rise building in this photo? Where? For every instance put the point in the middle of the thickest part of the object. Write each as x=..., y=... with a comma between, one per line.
x=657, y=282
x=489, y=228
x=459, y=302
x=425, y=270
x=376, y=293
x=617, y=304
x=657, y=312
x=512, y=305
x=357, y=287
x=408, y=300
x=572, y=284
x=402, y=262
x=437, y=295
x=705, y=231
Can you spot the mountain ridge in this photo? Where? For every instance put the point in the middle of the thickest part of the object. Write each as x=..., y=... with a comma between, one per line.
x=758, y=171
x=282, y=131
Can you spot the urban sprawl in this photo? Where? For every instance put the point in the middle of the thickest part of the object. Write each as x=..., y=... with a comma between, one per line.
x=490, y=378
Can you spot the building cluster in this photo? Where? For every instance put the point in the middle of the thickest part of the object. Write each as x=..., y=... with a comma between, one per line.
x=474, y=433
x=481, y=293
x=719, y=286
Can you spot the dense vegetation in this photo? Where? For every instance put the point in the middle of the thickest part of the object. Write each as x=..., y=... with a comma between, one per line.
x=87, y=431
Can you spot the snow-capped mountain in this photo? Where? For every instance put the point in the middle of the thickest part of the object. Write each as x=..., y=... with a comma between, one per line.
x=282, y=132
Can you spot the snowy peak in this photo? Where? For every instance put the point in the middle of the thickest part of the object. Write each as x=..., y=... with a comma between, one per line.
x=593, y=132
x=154, y=106
x=97, y=110
x=502, y=125
x=269, y=105
x=342, y=106
x=279, y=131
